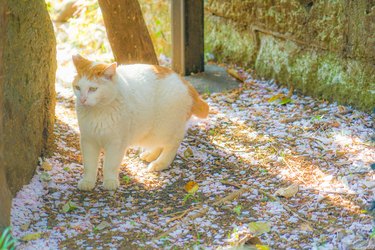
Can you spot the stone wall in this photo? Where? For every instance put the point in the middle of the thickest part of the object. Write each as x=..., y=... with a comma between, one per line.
x=27, y=67
x=323, y=48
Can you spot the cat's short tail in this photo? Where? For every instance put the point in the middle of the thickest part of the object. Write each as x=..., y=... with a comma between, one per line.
x=200, y=108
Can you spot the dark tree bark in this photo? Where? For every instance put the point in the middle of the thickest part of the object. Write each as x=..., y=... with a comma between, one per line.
x=127, y=32
x=27, y=66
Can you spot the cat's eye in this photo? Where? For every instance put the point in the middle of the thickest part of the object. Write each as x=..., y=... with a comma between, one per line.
x=92, y=89
x=77, y=87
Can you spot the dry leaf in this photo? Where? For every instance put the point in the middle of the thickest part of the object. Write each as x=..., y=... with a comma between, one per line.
x=188, y=152
x=191, y=187
x=306, y=227
x=288, y=191
x=236, y=74
x=276, y=97
x=335, y=124
x=46, y=166
x=253, y=241
x=258, y=228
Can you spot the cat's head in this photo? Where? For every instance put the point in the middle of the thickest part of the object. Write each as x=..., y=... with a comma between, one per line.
x=93, y=84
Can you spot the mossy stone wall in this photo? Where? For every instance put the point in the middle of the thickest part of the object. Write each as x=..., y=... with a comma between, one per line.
x=323, y=48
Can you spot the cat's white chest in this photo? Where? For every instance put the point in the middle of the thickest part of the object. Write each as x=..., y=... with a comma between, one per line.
x=101, y=125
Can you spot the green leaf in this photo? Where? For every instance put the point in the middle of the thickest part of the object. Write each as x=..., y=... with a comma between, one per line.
x=258, y=228
x=276, y=97
x=262, y=247
x=45, y=177
x=285, y=100
x=69, y=206
x=237, y=210
x=103, y=225
x=33, y=236
x=126, y=179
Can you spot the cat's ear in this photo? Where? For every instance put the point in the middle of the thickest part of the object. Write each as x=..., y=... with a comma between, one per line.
x=110, y=71
x=81, y=63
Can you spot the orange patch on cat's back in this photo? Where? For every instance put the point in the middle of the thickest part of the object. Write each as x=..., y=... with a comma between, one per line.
x=200, y=108
x=161, y=72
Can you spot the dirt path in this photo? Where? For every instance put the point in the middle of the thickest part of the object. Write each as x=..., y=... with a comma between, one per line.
x=249, y=143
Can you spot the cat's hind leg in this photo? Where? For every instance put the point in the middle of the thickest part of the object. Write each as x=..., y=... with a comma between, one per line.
x=150, y=155
x=165, y=159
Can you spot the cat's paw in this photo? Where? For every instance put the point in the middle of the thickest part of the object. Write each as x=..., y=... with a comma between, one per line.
x=86, y=185
x=111, y=184
x=156, y=166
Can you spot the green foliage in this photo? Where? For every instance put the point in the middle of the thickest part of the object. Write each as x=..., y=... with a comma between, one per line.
x=126, y=179
x=156, y=14
x=237, y=210
x=7, y=242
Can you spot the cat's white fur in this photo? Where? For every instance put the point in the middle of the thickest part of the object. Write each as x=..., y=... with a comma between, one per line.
x=129, y=106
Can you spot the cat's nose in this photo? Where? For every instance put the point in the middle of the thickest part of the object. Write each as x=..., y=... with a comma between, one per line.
x=83, y=100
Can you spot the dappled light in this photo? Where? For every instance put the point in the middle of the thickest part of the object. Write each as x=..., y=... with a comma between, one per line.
x=271, y=168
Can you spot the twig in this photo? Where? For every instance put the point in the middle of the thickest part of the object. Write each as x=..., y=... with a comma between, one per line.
x=231, y=184
x=290, y=93
x=294, y=169
x=243, y=240
x=203, y=211
x=212, y=153
x=183, y=213
x=286, y=207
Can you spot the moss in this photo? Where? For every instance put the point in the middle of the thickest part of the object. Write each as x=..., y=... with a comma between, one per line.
x=228, y=42
x=324, y=48
x=322, y=74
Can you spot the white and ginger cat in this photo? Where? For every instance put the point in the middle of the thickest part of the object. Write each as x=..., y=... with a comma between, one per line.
x=130, y=105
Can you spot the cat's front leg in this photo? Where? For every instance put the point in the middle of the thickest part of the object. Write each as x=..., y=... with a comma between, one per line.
x=90, y=152
x=113, y=156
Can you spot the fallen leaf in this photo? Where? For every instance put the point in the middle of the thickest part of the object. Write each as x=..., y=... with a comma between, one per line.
x=253, y=241
x=32, y=236
x=191, y=187
x=262, y=247
x=306, y=227
x=69, y=206
x=335, y=124
x=188, y=152
x=103, y=225
x=288, y=191
x=236, y=74
x=258, y=228
x=46, y=166
x=285, y=100
x=25, y=226
x=45, y=177
x=276, y=97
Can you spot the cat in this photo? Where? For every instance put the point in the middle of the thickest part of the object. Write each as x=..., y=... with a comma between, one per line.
x=130, y=105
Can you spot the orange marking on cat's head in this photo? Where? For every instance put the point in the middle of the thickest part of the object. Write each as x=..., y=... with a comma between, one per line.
x=88, y=68
x=161, y=72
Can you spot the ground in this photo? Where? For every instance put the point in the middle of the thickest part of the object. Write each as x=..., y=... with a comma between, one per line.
x=258, y=138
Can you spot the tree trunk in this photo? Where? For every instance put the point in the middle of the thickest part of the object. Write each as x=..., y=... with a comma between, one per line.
x=5, y=196
x=27, y=66
x=127, y=32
